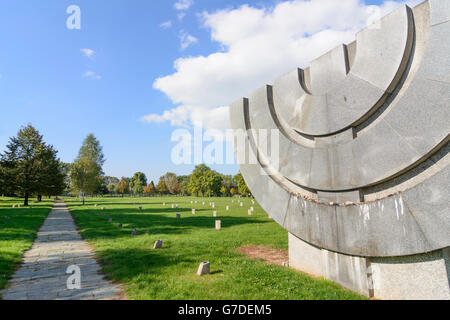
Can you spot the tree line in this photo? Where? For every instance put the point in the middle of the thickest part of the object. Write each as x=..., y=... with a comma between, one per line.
x=203, y=181
x=30, y=167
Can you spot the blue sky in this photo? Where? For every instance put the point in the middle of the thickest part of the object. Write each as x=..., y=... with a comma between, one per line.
x=47, y=80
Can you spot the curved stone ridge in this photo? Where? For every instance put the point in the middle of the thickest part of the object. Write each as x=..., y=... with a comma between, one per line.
x=363, y=144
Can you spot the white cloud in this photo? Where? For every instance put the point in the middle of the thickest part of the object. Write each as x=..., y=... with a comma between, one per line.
x=259, y=44
x=91, y=75
x=186, y=40
x=183, y=4
x=166, y=25
x=88, y=52
x=177, y=117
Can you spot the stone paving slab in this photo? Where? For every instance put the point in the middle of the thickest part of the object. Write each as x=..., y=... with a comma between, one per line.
x=43, y=276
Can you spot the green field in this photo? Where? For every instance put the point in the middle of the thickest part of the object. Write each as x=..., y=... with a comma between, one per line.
x=170, y=273
x=18, y=229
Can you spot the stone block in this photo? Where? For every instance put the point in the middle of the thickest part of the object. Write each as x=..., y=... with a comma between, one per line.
x=204, y=268
x=158, y=244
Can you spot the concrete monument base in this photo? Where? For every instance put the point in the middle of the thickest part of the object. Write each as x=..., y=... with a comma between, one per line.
x=418, y=277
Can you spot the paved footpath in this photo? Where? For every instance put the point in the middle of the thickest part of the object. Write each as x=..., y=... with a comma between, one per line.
x=43, y=273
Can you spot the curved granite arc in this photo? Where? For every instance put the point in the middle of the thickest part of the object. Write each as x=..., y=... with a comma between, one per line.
x=413, y=126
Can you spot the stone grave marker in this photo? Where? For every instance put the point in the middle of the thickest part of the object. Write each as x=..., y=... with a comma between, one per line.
x=158, y=244
x=204, y=268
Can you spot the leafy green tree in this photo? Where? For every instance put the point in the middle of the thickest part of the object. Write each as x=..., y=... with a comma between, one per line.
x=138, y=183
x=111, y=188
x=86, y=172
x=197, y=181
x=29, y=165
x=92, y=150
x=3, y=182
x=224, y=191
x=85, y=176
x=123, y=187
x=183, y=182
x=242, y=185
x=161, y=187
x=51, y=174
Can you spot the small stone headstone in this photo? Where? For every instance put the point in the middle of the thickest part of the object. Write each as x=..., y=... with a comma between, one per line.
x=176, y=206
x=286, y=264
x=134, y=232
x=204, y=268
x=252, y=209
x=218, y=224
x=158, y=244
x=203, y=203
x=242, y=204
x=192, y=202
x=102, y=208
x=249, y=212
x=213, y=205
x=164, y=204
x=215, y=214
x=95, y=205
x=119, y=225
x=253, y=201
x=178, y=215
x=193, y=211
x=173, y=206
x=140, y=208
x=109, y=220
x=13, y=205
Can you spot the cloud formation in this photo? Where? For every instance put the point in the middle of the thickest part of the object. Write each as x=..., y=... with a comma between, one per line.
x=259, y=44
x=183, y=4
x=88, y=52
x=186, y=40
x=166, y=25
x=91, y=75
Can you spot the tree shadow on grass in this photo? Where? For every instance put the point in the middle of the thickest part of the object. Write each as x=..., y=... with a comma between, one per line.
x=125, y=265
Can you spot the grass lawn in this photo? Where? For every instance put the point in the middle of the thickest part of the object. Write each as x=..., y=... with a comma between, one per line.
x=18, y=229
x=170, y=273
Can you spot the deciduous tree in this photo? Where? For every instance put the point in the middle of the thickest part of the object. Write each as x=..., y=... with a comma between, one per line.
x=123, y=187
x=86, y=172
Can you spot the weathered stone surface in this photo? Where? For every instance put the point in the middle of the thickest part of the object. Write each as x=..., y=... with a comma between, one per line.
x=400, y=277
x=400, y=126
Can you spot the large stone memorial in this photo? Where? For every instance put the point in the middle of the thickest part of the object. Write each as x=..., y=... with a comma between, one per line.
x=360, y=176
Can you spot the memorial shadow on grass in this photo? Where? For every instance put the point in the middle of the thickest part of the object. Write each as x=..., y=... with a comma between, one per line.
x=170, y=272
